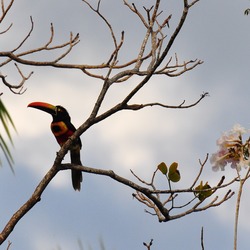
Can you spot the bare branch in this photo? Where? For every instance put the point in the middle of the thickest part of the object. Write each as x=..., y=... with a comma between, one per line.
x=202, y=164
x=202, y=239
x=9, y=244
x=193, y=3
x=18, y=86
x=172, y=71
x=112, y=63
x=180, y=106
x=26, y=38
x=115, y=53
x=213, y=203
x=74, y=40
x=148, y=246
x=97, y=11
x=134, y=9
x=162, y=57
x=25, y=208
x=5, y=10
x=6, y=30
x=151, y=184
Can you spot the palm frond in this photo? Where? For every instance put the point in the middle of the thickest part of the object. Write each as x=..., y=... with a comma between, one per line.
x=6, y=121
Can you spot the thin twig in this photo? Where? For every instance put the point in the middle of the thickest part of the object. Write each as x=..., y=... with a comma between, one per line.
x=18, y=86
x=202, y=164
x=180, y=106
x=25, y=38
x=148, y=246
x=6, y=30
x=202, y=239
x=5, y=10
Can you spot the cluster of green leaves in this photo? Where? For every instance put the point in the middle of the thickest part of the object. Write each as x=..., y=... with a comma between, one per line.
x=202, y=191
x=172, y=173
x=7, y=122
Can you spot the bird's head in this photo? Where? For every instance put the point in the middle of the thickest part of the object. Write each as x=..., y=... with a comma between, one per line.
x=58, y=112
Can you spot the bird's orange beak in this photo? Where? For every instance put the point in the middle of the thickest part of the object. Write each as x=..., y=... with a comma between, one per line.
x=46, y=107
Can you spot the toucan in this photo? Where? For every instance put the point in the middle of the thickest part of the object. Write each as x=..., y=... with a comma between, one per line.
x=62, y=128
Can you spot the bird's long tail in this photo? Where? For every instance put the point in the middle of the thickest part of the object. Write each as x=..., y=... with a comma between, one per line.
x=76, y=175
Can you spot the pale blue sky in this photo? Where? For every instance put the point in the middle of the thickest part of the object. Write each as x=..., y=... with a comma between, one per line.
x=216, y=32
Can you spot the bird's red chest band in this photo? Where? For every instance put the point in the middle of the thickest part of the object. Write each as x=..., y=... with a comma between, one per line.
x=59, y=128
x=61, y=132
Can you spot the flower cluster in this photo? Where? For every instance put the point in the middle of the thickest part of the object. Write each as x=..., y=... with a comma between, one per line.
x=232, y=150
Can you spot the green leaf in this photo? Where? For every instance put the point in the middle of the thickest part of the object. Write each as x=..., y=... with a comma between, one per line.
x=202, y=195
x=6, y=121
x=173, y=173
x=5, y=117
x=163, y=168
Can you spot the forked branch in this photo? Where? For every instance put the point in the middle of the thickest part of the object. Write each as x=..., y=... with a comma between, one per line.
x=188, y=207
x=16, y=89
x=15, y=55
x=153, y=39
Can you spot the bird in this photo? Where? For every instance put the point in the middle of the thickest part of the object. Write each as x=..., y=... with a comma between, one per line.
x=62, y=128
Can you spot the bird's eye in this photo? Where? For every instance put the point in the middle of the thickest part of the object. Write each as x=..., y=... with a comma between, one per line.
x=58, y=110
